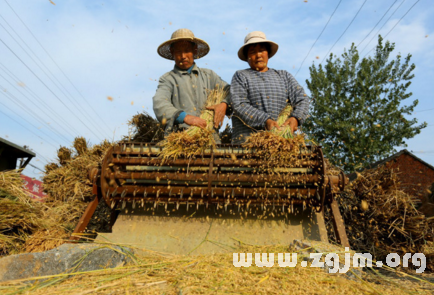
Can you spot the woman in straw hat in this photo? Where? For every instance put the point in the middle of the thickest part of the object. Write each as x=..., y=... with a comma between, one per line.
x=182, y=92
x=260, y=93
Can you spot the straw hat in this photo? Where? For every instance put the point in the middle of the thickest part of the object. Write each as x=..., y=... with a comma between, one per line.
x=179, y=35
x=257, y=37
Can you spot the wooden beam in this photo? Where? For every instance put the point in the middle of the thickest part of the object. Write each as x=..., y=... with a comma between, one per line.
x=338, y=224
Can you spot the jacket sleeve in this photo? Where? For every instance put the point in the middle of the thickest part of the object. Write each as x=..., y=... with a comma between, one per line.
x=242, y=106
x=162, y=104
x=298, y=99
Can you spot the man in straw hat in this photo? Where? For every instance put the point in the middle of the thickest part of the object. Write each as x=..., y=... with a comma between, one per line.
x=260, y=93
x=182, y=92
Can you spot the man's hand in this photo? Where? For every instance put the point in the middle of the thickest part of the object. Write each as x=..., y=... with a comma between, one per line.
x=291, y=122
x=219, y=113
x=195, y=121
x=270, y=124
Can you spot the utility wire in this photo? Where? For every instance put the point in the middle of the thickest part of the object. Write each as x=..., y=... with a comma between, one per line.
x=401, y=18
x=1, y=40
x=377, y=23
x=105, y=124
x=24, y=106
x=318, y=37
x=376, y=34
x=25, y=126
x=424, y=110
x=37, y=167
x=344, y=31
x=38, y=118
x=69, y=96
x=37, y=98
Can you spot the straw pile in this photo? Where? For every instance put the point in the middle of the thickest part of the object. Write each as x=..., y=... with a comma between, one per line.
x=278, y=147
x=145, y=129
x=195, y=140
x=69, y=180
x=21, y=218
x=381, y=219
x=69, y=184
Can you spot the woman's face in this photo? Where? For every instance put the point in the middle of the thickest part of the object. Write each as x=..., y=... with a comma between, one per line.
x=257, y=57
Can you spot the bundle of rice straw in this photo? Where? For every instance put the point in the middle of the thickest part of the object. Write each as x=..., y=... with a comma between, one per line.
x=195, y=140
x=144, y=128
x=278, y=146
x=69, y=180
x=380, y=218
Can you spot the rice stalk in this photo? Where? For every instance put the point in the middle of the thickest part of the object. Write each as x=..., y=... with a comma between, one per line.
x=194, y=140
x=284, y=131
x=277, y=147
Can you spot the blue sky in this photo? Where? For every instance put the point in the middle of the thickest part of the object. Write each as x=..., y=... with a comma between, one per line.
x=108, y=48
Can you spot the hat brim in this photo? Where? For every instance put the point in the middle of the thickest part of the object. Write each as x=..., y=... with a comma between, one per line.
x=273, y=48
x=202, y=48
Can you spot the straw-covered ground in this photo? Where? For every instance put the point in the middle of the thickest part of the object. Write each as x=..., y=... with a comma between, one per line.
x=155, y=273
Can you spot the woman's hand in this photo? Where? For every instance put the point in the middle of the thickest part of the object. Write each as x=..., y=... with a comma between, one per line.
x=291, y=122
x=270, y=124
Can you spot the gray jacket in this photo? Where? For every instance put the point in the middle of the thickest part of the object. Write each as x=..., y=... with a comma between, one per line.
x=180, y=91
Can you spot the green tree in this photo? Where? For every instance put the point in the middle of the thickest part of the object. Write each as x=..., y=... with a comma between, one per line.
x=357, y=112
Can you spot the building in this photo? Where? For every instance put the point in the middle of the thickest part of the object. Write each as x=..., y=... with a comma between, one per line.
x=10, y=153
x=415, y=175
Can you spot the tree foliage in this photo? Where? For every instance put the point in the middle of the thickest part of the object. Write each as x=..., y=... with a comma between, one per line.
x=357, y=111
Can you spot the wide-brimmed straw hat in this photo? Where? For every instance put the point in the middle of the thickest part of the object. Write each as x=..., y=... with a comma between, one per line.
x=180, y=35
x=257, y=37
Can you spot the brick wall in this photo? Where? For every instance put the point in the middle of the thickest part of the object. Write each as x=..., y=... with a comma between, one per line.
x=415, y=177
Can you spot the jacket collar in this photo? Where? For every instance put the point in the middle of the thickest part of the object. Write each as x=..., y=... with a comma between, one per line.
x=184, y=72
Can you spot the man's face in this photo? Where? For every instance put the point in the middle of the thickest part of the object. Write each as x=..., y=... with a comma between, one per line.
x=257, y=57
x=183, y=52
